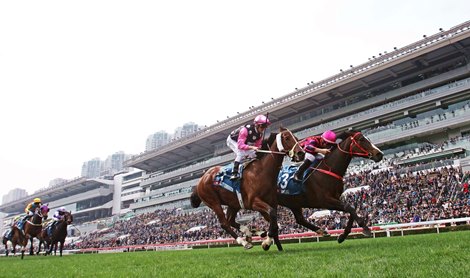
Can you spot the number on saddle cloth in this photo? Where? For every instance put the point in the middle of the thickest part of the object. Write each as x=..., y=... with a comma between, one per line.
x=286, y=183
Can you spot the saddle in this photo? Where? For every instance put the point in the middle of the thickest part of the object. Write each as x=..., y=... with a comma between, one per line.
x=222, y=178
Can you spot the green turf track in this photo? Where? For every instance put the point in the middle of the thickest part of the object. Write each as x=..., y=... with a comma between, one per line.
x=428, y=255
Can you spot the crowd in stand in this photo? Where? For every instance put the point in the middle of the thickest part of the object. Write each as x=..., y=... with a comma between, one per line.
x=383, y=196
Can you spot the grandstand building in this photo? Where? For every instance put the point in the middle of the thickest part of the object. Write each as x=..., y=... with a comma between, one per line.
x=87, y=199
x=405, y=99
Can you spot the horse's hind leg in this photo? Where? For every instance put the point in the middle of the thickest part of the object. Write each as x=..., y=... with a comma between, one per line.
x=300, y=219
x=5, y=242
x=231, y=216
x=224, y=223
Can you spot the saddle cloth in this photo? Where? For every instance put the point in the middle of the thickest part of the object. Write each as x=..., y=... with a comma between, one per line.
x=286, y=183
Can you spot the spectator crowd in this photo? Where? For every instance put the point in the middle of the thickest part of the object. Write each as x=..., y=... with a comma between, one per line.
x=381, y=196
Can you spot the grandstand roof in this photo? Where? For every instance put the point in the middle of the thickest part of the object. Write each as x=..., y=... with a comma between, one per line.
x=53, y=193
x=443, y=47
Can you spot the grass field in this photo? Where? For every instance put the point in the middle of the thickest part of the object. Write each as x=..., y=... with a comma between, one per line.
x=429, y=255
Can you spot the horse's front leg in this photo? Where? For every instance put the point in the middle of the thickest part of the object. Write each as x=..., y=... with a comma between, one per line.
x=336, y=204
x=300, y=219
x=31, y=248
x=61, y=247
x=269, y=214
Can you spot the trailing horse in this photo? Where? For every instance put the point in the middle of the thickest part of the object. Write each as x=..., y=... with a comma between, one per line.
x=59, y=233
x=257, y=189
x=323, y=186
x=32, y=228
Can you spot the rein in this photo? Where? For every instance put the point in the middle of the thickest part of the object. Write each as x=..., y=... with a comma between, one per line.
x=351, y=153
x=273, y=152
x=34, y=224
x=330, y=173
x=37, y=212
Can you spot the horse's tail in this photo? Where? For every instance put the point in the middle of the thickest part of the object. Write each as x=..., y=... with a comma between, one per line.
x=195, y=200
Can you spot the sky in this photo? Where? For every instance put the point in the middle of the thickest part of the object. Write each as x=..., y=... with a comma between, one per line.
x=86, y=79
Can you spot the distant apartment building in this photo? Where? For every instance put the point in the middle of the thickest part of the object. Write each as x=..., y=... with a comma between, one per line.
x=114, y=163
x=13, y=195
x=186, y=130
x=157, y=140
x=92, y=168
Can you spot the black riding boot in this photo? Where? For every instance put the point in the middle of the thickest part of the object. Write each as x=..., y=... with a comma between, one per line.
x=235, y=175
x=299, y=175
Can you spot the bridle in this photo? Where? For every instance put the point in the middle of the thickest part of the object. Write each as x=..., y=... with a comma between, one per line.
x=349, y=151
x=354, y=143
x=38, y=212
x=290, y=153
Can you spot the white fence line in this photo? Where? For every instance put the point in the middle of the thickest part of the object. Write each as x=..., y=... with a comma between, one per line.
x=426, y=224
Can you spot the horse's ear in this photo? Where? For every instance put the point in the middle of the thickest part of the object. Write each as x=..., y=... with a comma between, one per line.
x=281, y=129
x=343, y=135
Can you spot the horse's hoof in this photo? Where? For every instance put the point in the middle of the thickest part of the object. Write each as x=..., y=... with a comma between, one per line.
x=323, y=233
x=366, y=231
x=341, y=238
x=265, y=246
x=248, y=246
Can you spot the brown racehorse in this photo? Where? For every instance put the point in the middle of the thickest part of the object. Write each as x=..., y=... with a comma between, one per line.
x=257, y=188
x=59, y=233
x=323, y=187
x=44, y=238
x=32, y=228
x=5, y=242
x=34, y=231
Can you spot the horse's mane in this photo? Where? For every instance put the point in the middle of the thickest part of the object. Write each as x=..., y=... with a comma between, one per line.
x=267, y=142
x=345, y=134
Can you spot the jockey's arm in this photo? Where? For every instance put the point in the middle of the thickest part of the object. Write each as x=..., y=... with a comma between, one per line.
x=258, y=143
x=322, y=151
x=27, y=210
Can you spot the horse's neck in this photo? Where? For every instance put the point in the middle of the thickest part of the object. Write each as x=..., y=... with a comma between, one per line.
x=62, y=225
x=37, y=219
x=338, y=161
x=272, y=160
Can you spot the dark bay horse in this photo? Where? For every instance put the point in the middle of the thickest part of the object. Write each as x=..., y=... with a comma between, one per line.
x=32, y=228
x=323, y=187
x=258, y=188
x=44, y=238
x=5, y=240
x=59, y=233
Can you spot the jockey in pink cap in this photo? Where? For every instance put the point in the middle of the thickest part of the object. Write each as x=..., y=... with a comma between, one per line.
x=315, y=147
x=245, y=140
